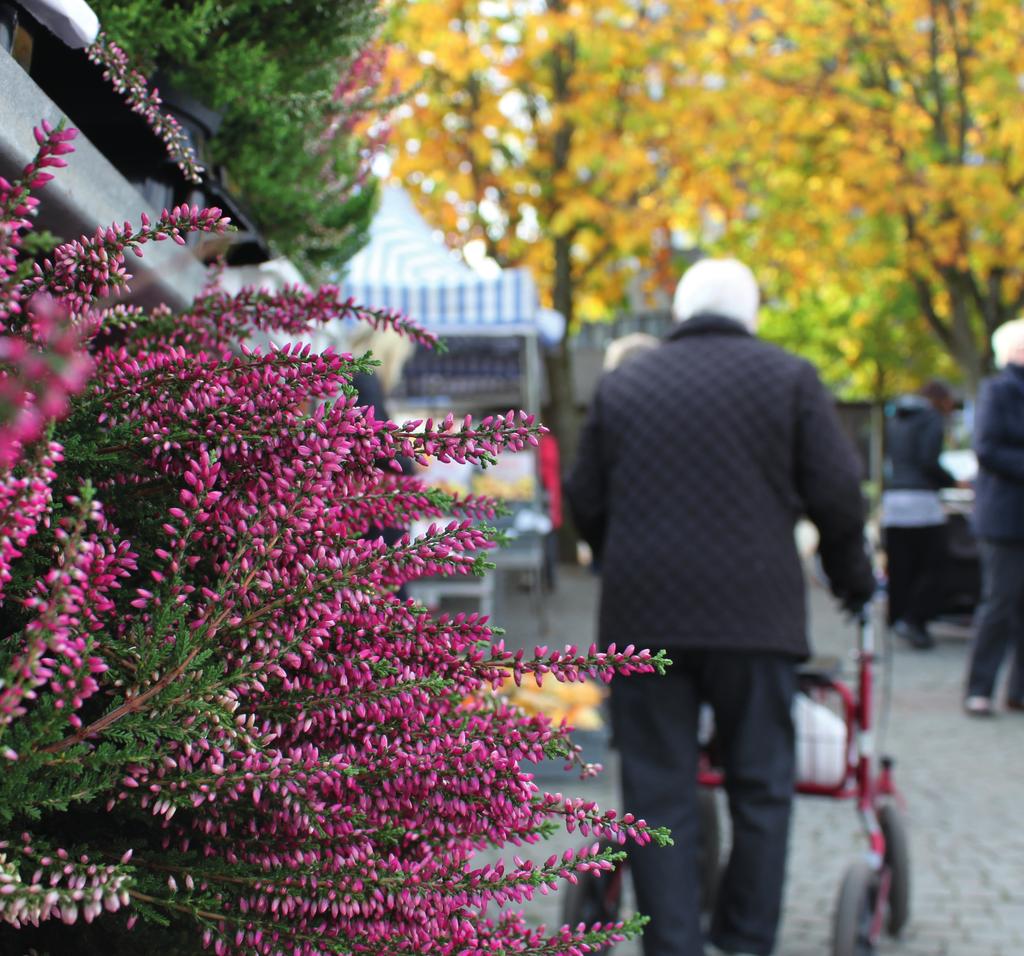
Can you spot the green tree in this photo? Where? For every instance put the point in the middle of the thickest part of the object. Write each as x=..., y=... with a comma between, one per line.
x=868, y=345
x=292, y=80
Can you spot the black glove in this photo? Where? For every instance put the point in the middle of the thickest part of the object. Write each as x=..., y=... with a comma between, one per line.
x=855, y=603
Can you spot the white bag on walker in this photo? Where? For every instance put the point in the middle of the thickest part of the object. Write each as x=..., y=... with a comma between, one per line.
x=821, y=744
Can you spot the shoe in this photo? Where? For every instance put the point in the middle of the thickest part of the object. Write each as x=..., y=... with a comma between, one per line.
x=977, y=706
x=917, y=637
x=1015, y=705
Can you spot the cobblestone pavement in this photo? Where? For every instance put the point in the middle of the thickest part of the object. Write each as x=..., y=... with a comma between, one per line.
x=963, y=780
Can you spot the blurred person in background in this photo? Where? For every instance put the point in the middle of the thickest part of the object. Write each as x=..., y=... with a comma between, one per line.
x=999, y=526
x=627, y=346
x=392, y=350
x=696, y=460
x=913, y=519
x=550, y=467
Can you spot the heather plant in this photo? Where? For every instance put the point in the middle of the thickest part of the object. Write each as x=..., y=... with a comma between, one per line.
x=221, y=727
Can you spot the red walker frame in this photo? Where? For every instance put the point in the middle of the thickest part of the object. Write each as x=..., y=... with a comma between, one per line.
x=860, y=781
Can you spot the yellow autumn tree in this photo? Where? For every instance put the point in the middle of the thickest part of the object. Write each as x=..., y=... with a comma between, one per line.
x=863, y=136
x=849, y=150
x=552, y=133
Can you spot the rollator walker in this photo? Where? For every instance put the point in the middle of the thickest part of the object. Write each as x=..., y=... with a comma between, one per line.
x=874, y=896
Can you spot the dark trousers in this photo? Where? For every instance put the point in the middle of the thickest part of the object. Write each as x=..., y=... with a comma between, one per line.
x=1000, y=620
x=916, y=559
x=655, y=726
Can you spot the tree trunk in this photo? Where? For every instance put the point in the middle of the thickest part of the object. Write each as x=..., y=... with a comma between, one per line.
x=563, y=418
x=965, y=349
x=959, y=333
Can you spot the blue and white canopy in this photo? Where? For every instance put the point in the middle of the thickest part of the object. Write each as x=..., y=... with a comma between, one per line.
x=405, y=266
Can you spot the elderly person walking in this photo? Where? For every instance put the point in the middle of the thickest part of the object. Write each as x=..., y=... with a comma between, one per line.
x=697, y=459
x=999, y=525
x=913, y=519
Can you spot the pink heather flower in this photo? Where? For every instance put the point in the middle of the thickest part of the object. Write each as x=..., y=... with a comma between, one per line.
x=146, y=102
x=216, y=631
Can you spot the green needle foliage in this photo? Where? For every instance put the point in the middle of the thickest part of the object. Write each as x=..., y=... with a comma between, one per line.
x=274, y=68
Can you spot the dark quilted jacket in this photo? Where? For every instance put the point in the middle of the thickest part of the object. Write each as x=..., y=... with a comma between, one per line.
x=696, y=460
x=914, y=435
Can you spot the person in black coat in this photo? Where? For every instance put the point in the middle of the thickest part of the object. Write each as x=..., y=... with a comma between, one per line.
x=913, y=518
x=696, y=461
x=999, y=525
x=391, y=350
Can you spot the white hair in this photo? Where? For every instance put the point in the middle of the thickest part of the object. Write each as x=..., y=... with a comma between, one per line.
x=621, y=349
x=724, y=287
x=1007, y=340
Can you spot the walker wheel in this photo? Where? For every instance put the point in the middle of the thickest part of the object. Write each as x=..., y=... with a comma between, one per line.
x=855, y=913
x=897, y=859
x=709, y=849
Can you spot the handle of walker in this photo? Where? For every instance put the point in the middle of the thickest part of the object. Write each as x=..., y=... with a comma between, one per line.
x=862, y=618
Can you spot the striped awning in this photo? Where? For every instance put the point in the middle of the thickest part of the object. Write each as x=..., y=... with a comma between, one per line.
x=405, y=266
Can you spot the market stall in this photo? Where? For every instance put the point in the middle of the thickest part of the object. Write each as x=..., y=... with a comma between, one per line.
x=493, y=328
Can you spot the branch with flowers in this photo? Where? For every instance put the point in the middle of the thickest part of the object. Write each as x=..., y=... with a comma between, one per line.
x=221, y=727
x=145, y=101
